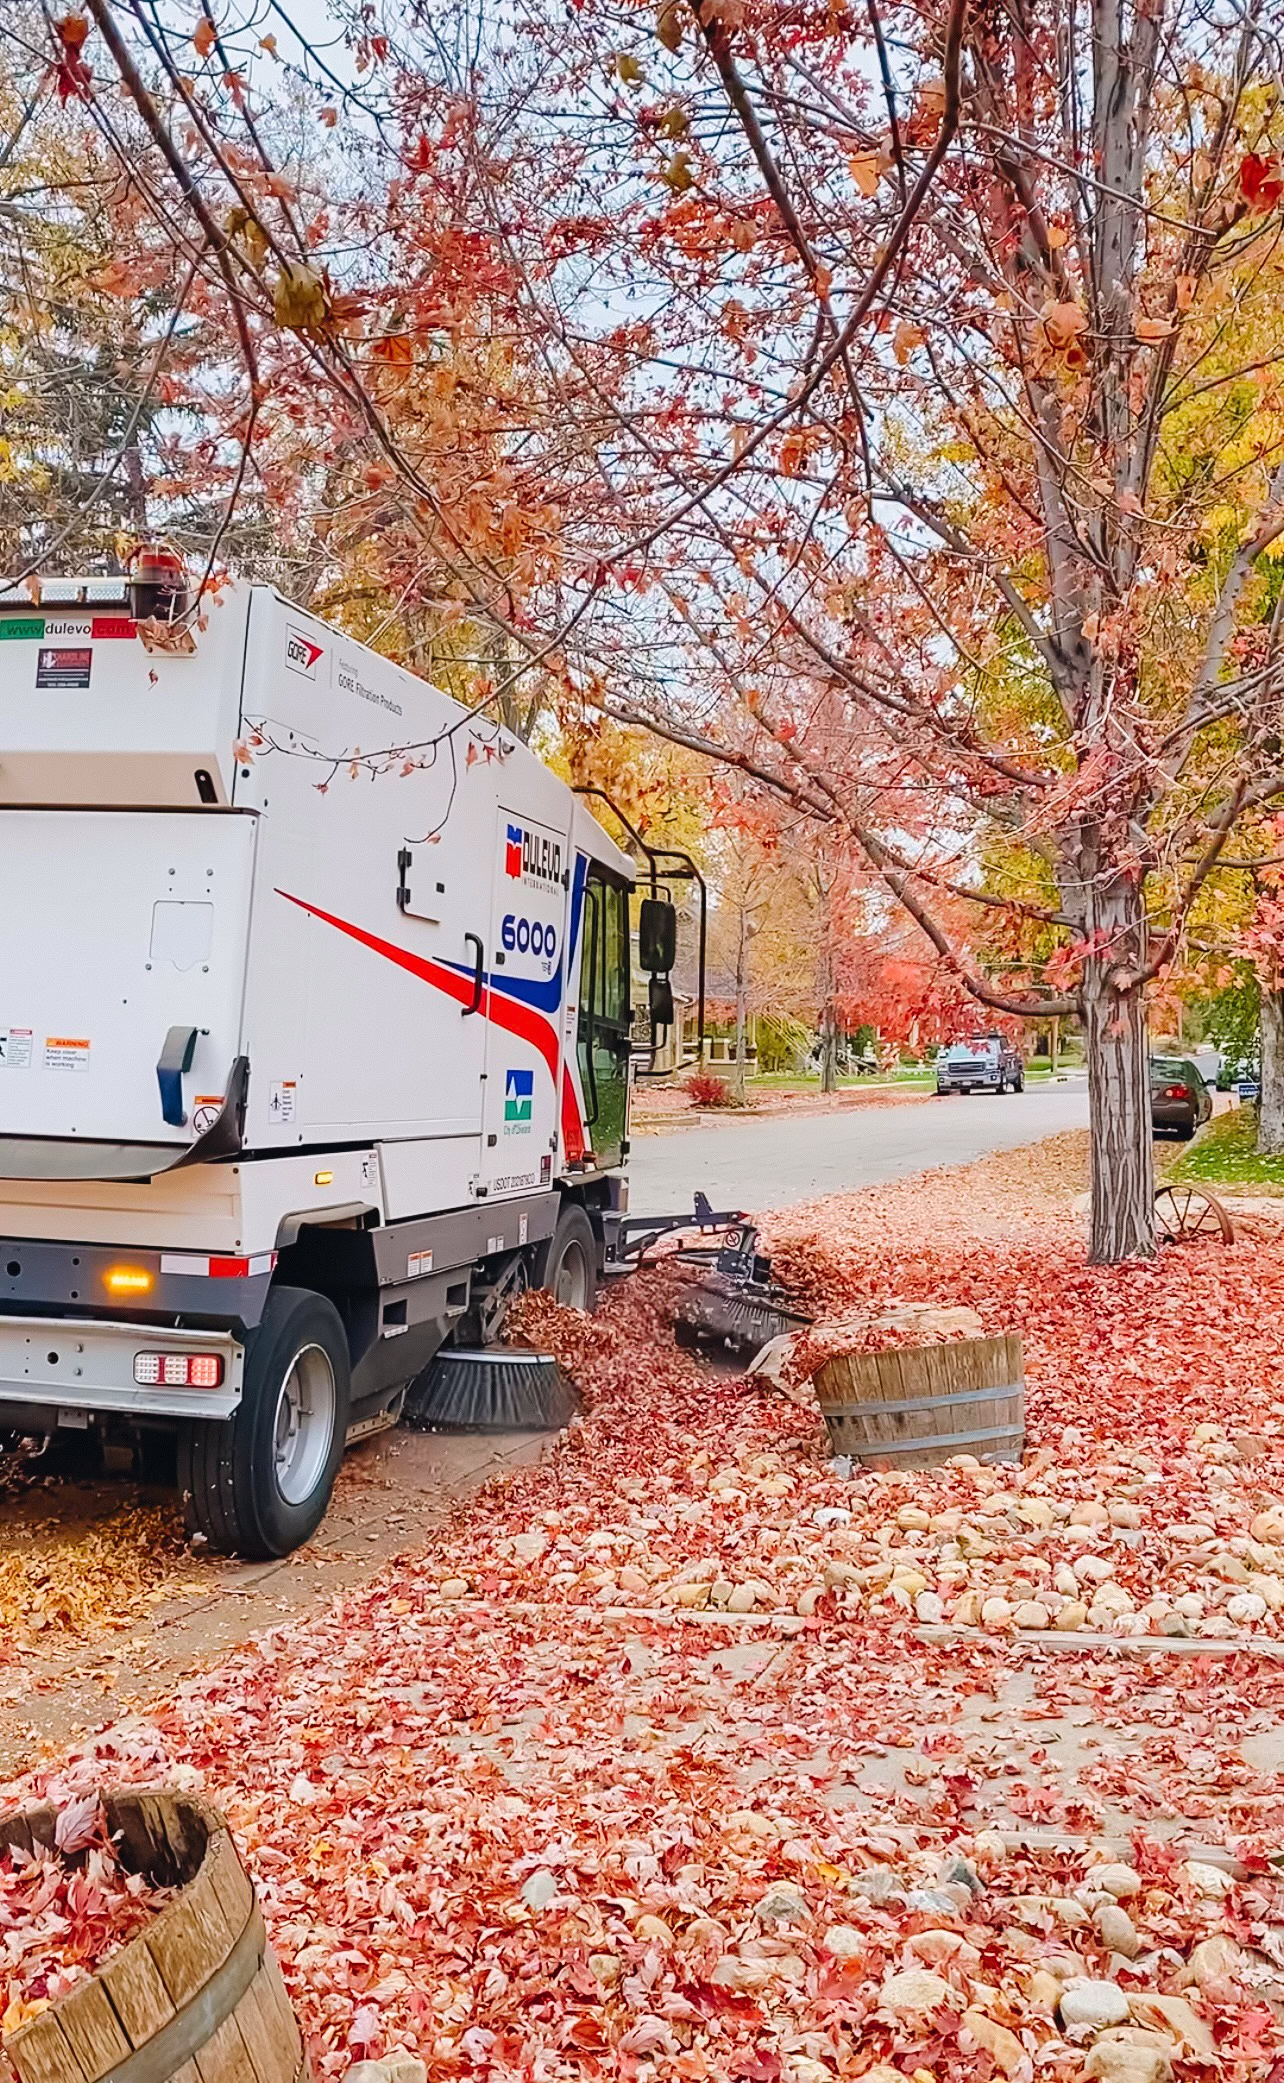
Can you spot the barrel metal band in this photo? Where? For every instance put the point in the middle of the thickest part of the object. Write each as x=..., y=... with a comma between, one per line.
x=936, y=1439
x=187, y=2032
x=898, y=1410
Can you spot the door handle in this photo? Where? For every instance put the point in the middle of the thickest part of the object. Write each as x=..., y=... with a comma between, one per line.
x=474, y=940
x=175, y=1058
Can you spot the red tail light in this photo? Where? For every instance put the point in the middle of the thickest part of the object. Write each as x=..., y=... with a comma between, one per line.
x=1176, y=1092
x=179, y=1370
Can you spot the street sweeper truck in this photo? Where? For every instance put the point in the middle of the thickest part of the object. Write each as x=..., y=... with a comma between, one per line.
x=314, y=1033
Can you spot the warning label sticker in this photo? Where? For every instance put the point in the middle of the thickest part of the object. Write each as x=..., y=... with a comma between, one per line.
x=417, y=1264
x=64, y=668
x=64, y=1052
x=16, y=1044
x=281, y=1103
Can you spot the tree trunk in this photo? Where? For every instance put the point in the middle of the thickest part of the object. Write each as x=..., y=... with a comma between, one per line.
x=1114, y=1018
x=1270, y=1119
x=742, y=1007
x=828, y=1050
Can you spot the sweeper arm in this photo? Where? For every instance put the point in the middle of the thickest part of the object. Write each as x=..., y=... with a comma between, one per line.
x=630, y=1237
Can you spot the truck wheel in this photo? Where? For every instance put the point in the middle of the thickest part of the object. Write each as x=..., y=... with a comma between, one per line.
x=258, y=1484
x=567, y=1264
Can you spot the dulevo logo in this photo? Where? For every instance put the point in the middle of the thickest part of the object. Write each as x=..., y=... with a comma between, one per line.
x=532, y=856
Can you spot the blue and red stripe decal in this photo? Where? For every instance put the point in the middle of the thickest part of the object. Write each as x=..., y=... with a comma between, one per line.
x=515, y=1006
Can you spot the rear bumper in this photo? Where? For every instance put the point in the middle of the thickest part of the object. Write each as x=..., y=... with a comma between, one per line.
x=38, y=1276
x=1173, y=1114
x=66, y=1364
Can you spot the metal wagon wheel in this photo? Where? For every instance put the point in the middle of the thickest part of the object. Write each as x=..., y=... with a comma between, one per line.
x=1183, y=1212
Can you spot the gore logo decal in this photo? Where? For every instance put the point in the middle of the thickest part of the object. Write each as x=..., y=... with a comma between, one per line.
x=519, y=1096
x=301, y=654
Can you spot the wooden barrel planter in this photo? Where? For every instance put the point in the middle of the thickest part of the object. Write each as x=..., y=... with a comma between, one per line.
x=197, y=1997
x=915, y=1406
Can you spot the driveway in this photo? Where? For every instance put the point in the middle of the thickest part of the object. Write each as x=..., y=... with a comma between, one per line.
x=767, y=1164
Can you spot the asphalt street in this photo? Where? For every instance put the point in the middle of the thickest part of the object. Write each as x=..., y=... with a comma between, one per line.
x=771, y=1163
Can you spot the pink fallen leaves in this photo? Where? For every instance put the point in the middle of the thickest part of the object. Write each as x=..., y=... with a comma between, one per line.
x=532, y=1831
x=64, y=1912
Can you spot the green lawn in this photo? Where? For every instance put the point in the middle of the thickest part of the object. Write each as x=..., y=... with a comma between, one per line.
x=1223, y=1154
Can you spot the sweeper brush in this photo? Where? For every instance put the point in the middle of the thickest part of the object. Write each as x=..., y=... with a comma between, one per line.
x=504, y=1390
x=735, y=1307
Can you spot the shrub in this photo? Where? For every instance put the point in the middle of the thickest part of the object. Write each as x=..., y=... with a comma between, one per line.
x=703, y=1089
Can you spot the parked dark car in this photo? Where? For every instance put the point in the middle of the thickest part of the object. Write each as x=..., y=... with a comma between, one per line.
x=1179, y=1098
x=985, y=1063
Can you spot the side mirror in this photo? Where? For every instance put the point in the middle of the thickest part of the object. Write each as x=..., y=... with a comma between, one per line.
x=657, y=935
x=660, y=996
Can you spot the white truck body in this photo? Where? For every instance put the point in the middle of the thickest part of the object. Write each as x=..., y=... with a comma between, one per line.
x=354, y=913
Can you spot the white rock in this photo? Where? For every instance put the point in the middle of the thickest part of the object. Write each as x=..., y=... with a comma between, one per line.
x=1212, y=1960
x=1088, y=2007
x=1111, y=1599
x=1124, y=1513
x=1123, y=1882
x=1089, y=1513
x=800, y=2068
x=1093, y=1569
x=1031, y=1613
x=831, y=1515
x=782, y=1904
x=539, y=1888
x=1246, y=1606
x=1209, y=1881
x=742, y=1600
x=1065, y=1581
x=369, y=2072
x=844, y=1941
x=1190, y=1605
x=996, y=1612
x=1116, y=1930
x=1122, y=2060
x=528, y=1547
x=929, y=1607
x=1003, y=2047
x=405, y=2067
x=914, y=1992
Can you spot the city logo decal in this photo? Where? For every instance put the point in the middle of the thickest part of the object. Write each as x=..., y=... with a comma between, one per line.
x=519, y=1097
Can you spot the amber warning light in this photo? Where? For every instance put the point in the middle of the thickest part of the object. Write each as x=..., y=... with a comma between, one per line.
x=128, y=1280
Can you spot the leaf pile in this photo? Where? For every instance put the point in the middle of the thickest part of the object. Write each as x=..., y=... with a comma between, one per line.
x=80, y=1583
x=65, y=1911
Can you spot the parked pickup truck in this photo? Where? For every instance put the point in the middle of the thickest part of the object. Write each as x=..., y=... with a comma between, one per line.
x=985, y=1063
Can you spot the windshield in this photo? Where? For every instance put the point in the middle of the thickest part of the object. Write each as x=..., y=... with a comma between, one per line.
x=969, y=1052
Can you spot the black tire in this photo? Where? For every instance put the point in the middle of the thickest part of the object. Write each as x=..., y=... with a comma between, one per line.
x=567, y=1264
x=1001, y=1087
x=258, y=1484
x=1019, y=1085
